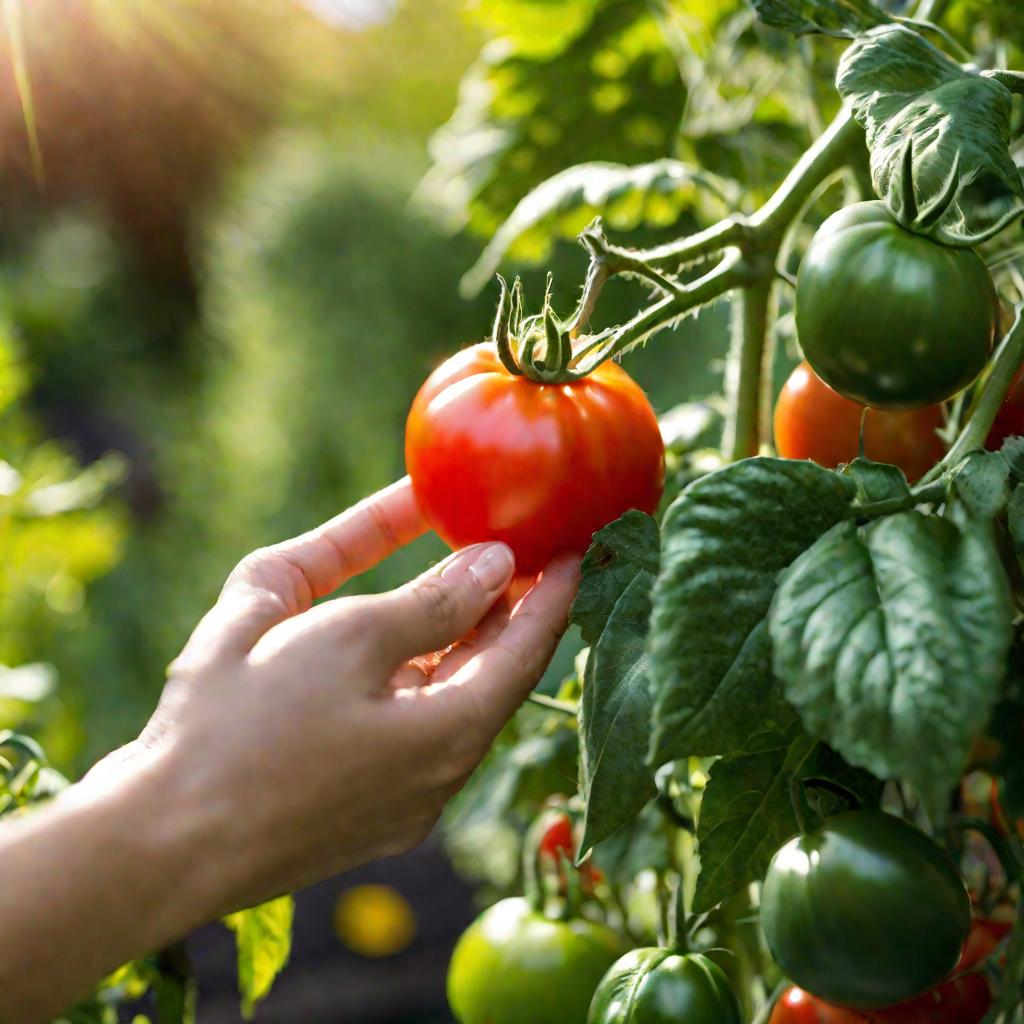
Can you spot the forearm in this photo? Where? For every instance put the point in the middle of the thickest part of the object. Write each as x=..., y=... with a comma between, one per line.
x=115, y=868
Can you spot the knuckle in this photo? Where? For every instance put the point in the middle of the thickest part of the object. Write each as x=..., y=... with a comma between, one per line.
x=273, y=581
x=437, y=602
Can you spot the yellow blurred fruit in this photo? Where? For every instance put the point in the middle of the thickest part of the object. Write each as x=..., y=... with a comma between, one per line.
x=374, y=920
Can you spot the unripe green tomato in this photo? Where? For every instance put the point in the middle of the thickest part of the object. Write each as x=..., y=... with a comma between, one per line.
x=515, y=966
x=890, y=318
x=865, y=912
x=657, y=986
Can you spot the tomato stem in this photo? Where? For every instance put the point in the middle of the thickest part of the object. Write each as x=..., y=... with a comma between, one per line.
x=751, y=319
x=799, y=802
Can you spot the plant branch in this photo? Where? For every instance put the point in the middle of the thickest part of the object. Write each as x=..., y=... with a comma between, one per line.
x=829, y=154
x=715, y=239
x=564, y=707
x=751, y=316
x=726, y=275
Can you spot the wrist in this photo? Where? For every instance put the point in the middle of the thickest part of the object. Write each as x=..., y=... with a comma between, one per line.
x=160, y=829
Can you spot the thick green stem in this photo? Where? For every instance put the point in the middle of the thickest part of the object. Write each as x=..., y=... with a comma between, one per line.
x=718, y=237
x=829, y=153
x=1007, y=362
x=751, y=318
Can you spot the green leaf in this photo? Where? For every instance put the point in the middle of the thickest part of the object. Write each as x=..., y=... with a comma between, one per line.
x=1010, y=80
x=746, y=812
x=891, y=643
x=982, y=484
x=1015, y=521
x=599, y=84
x=842, y=18
x=939, y=136
x=724, y=541
x=263, y=936
x=1005, y=727
x=619, y=552
x=538, y=27
x=615, y=718
x=654, y=194
x=1012, y=452
x=877, y=481
x=534, y=757
x=644, y=846
x=172, y=984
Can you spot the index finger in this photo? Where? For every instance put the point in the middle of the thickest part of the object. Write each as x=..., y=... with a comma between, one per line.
x=357, y=539
x=285, y=579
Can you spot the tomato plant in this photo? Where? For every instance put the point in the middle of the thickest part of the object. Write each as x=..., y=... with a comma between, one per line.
x=499, y=456
x=814, y=422
x=516, y=966
x=657, y=986
x=890, y=318
x=786, y=638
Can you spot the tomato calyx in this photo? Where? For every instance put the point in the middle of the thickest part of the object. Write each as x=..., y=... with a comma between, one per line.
x=518, y=338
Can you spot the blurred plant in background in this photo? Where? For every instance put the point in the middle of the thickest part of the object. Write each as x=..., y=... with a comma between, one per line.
x=54, y=540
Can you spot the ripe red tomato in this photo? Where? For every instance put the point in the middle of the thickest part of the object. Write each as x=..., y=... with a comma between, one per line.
x=986, y=933
x=1009, y=421
x=814, y=422
x=541, y=467
x=799, y=1007
x=964, y=999
x=961, y=1000
x=558, y=839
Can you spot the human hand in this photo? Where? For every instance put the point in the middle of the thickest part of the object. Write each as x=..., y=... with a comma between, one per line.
x=318, y=738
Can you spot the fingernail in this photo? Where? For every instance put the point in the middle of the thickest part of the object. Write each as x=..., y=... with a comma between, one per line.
x=492, y=567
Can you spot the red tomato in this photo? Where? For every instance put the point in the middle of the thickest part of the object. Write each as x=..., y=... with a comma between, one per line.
x=1009, y=421
x=814, y=422
x=557, y=839
x=961, y=1000
x=986, y=933
x=538, y=466
x=799, y=1007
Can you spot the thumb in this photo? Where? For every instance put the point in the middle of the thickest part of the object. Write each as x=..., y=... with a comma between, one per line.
x=443, y=605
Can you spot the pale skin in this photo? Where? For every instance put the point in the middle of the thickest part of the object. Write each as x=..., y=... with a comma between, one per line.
x=291, y=742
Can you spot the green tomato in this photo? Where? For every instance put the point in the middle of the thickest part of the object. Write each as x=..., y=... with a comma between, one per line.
x=657, y=986
x=515, y=966
x=865, y=912
x=889, y=318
